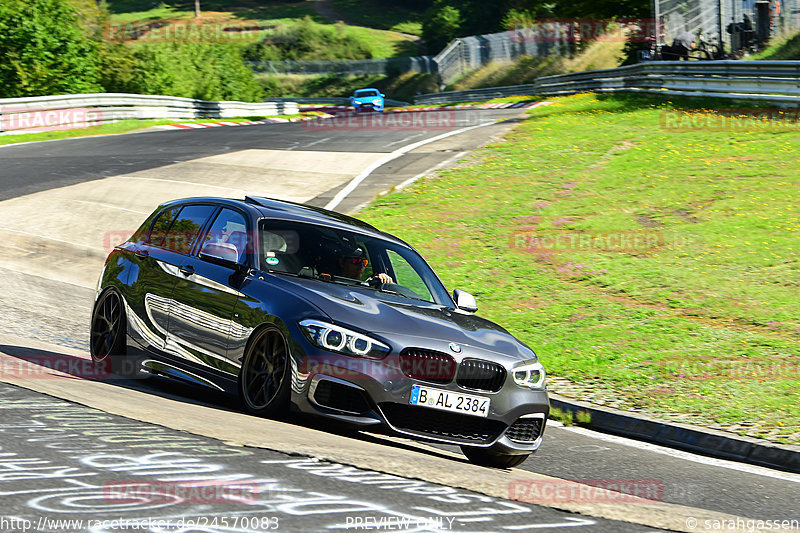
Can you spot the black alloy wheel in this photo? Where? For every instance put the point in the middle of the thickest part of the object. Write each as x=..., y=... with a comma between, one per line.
x=264, y=378
x=107, y=342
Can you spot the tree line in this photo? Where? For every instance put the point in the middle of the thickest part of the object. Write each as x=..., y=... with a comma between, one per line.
x=59, y=47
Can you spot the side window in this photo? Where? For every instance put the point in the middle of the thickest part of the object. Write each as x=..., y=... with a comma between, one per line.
x=183, y=232
x=140, y=235
x=227, y=237
x=161, y=226
x=407, y=276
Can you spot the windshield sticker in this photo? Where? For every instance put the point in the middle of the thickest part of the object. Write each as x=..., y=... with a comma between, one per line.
x=272, y=261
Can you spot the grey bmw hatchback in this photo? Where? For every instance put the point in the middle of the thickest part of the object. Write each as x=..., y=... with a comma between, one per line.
x=292, y=307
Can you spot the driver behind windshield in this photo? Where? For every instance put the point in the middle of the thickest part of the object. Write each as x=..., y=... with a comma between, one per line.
x=352, y=263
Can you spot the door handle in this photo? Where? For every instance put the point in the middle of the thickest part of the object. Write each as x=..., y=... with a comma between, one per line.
x=187, y=270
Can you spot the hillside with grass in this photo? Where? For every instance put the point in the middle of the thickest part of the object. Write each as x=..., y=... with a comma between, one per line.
x=603, y=53
x=651, y=268
x=597, y=55
x=286, y=30
x=783, y=48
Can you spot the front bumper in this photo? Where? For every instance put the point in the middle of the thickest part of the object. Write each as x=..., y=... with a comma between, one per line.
x=369, y=392
x=367, y=105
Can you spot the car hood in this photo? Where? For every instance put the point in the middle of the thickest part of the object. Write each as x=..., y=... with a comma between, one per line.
x=402, y=320
x=365, y=98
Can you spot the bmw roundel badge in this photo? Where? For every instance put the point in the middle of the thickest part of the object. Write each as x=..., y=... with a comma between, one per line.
x=455, y=347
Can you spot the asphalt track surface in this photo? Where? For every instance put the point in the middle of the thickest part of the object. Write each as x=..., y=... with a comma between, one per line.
x=47, y=316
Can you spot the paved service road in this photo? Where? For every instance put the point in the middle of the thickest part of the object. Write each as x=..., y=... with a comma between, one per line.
x=67, y=465
x=70, y=446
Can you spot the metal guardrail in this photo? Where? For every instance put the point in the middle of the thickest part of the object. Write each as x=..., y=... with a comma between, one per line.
x=82, y=110
x=766, y=81
x=476, y=95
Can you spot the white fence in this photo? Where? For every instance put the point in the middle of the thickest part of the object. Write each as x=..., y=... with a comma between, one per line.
x=469, y=53
x=82, y=110
x=776, y=82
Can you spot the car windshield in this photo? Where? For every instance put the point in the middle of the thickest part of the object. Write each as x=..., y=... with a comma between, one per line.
x=367, y=92
x=345, y=257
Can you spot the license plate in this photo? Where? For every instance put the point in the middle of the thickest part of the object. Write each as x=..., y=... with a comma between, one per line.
x=455, y=402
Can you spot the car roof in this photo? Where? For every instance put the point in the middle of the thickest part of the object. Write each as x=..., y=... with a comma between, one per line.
x=285, y=210
x=367, y=89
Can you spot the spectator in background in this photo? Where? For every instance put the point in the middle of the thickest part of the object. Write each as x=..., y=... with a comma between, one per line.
x=682, y=45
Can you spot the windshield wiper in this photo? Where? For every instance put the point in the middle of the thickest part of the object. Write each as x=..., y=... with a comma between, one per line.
x=292, y=274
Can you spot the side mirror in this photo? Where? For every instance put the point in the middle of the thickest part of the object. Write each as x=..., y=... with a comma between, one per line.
x=465, y=301
x=224, y=254
x=382, y=94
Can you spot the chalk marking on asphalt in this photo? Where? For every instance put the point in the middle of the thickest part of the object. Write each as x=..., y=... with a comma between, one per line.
x=355, y=182
x=573, y=522
x=182, y=182
x=111, y=206
x=404, y=139
x=406, y=463
x=680, y=454
x=316, y=142
x=40, y=236
x=26, y=273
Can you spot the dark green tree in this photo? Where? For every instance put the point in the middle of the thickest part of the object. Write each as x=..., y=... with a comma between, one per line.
x=442, y=24
x=45, y=49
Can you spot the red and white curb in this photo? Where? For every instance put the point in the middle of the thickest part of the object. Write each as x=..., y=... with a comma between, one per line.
x=198, y=125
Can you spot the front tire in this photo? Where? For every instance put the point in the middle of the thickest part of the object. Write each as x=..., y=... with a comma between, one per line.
x=107, y=338
x=264, y=377
x=487, y=457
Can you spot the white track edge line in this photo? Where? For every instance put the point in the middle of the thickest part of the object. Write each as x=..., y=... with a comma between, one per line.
x=355, y=182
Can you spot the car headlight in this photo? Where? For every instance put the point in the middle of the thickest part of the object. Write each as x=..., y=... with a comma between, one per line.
x=530, y=375
x=342, y=340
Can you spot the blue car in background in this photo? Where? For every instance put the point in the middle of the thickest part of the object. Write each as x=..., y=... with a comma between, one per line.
x=367, y=99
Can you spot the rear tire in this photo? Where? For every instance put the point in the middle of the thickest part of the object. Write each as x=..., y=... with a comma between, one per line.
x=264, y=377
x=107, y=337
x=487, y=457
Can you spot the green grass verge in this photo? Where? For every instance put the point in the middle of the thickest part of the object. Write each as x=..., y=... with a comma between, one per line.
x=701, y=317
